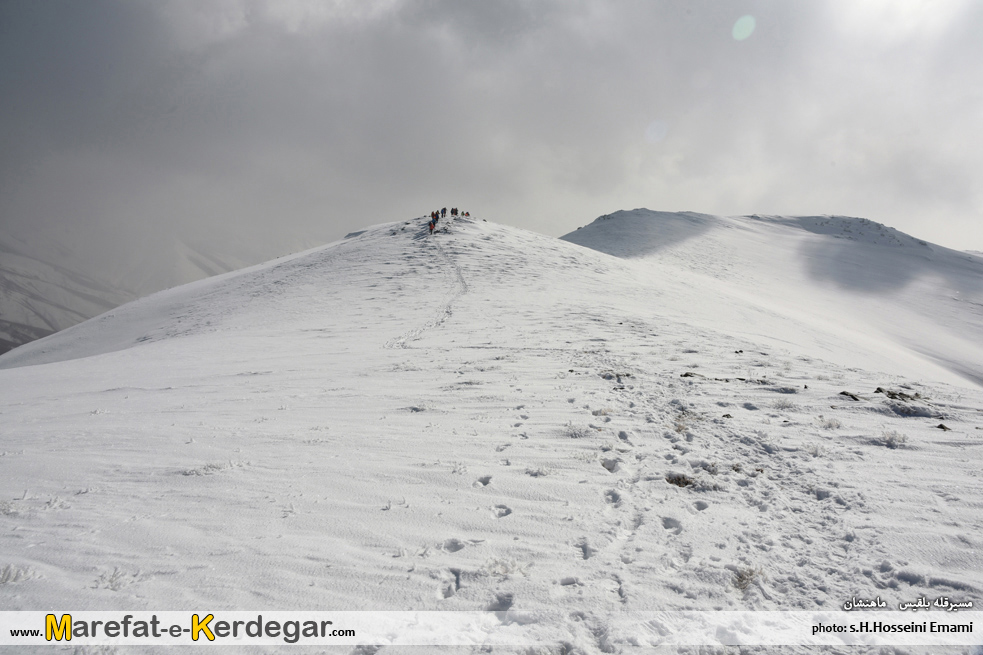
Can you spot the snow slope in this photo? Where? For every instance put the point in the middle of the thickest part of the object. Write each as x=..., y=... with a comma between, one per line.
x=485, y=419
x=847, y=289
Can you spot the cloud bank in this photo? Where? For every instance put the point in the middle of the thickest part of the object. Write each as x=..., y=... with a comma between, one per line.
x=266, y=126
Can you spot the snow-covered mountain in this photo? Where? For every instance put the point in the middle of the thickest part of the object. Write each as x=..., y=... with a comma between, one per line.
x=47, y=285
x=38, y=298
x=493, y=419
x=848, y=289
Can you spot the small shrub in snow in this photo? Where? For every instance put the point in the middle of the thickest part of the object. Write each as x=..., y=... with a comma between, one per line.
x=56, y=503
x=207, y=469
x=893, y=439
x=505, y=567
x=710, y=467
x=212, y=468
x=679, y=479
x=830, y=424
x=578, y=431
x=11, y=574
x=114, y=581
x=747, y=576
x=815, y=450
x=784, y=404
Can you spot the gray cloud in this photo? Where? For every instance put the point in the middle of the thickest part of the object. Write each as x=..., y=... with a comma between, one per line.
x=266, y=126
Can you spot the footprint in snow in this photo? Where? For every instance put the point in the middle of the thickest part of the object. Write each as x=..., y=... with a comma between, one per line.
x=451, y=587
x=501, y=511
x=612, y=465
x=672, y=525
x=483, y=481
x=502, y=603
x=586, y=551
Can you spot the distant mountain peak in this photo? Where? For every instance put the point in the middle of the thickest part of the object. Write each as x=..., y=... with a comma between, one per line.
x=846, y=269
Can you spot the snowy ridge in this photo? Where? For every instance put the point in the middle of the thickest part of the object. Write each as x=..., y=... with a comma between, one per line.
x=180, y=311
x=848, y=289
x=46, y=286
x=486, y=419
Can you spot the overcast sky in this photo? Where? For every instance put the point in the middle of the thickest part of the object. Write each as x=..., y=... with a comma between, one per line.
x=282, y=121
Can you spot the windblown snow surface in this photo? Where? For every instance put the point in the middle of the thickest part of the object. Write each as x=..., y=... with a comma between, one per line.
x=493, y=419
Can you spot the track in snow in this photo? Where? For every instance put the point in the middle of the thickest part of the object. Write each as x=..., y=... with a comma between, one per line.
x=432, y=242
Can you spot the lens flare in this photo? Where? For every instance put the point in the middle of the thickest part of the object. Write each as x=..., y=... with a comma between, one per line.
x=743, y=28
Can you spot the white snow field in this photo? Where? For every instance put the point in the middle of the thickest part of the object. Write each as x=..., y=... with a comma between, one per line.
x=492, y=419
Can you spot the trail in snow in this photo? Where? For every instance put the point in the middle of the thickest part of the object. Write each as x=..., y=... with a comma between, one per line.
x=431, y=243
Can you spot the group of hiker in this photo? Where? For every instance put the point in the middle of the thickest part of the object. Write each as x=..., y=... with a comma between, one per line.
x=441, y=213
